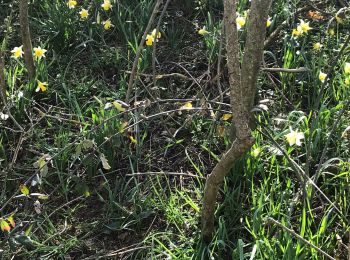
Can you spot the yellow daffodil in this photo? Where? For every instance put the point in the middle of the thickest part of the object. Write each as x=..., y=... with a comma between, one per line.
x=255, y=153
x=106, y=5
x=317, y=46
x=41, y=86
x=322, y=76
x=226, y=117
x=347, y=67
x=84, y=13
x=17, y=52
x=203, y=31
x=240, y=22
x=107, y=24
x=39, y=52
x=5, y=227
x=71, y=4
x=294, y=137
x=158, y=34
x=186, y=106
x=268, y=22
x=149, y=39
x=297, y=32
x=330, y=32
x=339, y=19
x=304, y=26
x=132, y=139
x=347, y=81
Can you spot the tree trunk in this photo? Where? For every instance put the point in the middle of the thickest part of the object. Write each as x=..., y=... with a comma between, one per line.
x=242, y=93
x=2, y=79
x=26, y=40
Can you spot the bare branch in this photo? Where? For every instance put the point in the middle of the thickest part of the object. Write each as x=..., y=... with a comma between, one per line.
x=253, y=49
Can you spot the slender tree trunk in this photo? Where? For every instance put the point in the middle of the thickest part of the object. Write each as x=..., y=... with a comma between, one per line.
x=2, y=79
x=26, y=39
x=242, y=92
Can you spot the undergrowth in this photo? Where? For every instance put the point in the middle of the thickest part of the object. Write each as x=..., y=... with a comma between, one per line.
x=90, y=177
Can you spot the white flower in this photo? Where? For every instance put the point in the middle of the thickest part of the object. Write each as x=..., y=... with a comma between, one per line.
x=294, y=137
x=4, y=116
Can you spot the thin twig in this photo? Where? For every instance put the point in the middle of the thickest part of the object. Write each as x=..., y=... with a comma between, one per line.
x=139, y=49
x=166, y=173
x=155, y=44
x=297, y=70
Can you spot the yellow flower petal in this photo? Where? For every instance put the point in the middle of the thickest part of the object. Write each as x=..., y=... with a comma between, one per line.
x=240, y=20
x=149, y=40
x=226, y=117
x=322, y=76
x=71, y=4
x=202, y=31
x=84, y=13
x=106, y=5
x=347, y=67
x=5, y=227
x=17, y=52
x=42, y=86
x=118, y=106
x=187, y=105
x=24, y=189
x=107, y=24
x=154, y=34
x=39, y=52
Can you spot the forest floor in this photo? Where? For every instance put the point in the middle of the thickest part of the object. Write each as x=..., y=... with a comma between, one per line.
x=84, y=175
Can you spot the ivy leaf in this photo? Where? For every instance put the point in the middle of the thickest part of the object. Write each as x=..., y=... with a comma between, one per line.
x=24, y=189
x=5, y=227
x=104, y=161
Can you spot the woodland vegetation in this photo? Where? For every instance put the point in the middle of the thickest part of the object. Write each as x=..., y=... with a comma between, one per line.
x=174, y=129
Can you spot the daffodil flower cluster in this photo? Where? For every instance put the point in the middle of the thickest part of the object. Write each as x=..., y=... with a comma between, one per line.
x=17, y=52
x=38, y=53
x=84, y=13
x=302, y=28
x=150, y=38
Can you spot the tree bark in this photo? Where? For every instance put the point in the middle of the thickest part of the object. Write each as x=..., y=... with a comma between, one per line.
x=2, y=79
x=26, y=39
x=242, y=93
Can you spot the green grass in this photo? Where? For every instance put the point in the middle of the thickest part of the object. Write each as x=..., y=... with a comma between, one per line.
x=128, y=212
